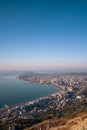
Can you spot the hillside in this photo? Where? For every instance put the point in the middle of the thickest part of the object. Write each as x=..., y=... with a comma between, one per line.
x=77, y=123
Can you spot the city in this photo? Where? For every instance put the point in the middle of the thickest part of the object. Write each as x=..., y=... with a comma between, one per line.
x=70, y=88
x=43, y=64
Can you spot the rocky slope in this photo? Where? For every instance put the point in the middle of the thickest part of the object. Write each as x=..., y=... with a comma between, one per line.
x=77, y=123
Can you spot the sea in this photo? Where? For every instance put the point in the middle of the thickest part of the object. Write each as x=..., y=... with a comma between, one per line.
x=14, y=91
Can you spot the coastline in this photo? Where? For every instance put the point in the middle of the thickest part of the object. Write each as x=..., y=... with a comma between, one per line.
x=39, y=84
x=23, y=103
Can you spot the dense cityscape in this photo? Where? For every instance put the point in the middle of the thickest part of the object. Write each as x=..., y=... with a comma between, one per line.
x=43, y=64
x=70, y=89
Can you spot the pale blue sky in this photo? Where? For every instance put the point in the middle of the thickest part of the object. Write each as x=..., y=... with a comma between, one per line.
x=43, y=33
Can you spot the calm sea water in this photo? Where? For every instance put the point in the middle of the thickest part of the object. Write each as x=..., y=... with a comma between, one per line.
x=13, y=91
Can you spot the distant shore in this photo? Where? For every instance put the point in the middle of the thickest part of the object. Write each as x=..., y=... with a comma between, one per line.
x=19, y=104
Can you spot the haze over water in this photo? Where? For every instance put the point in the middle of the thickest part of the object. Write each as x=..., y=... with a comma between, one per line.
x=13, y=91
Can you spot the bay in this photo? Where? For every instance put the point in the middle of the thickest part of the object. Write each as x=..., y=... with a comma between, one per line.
x=14, y=91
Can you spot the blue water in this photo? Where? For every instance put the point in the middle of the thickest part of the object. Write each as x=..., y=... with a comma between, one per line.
x=13, y=91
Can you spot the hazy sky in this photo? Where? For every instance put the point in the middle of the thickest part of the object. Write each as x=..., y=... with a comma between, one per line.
x=43, y=33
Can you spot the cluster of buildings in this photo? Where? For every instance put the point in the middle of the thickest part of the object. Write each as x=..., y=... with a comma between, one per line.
x=28, y=109
x=68, y=86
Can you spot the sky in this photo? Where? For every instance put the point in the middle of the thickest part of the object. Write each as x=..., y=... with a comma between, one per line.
x=43, y=34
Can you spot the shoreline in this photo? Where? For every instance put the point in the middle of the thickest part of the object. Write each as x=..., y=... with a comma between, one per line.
x=23, y=103
x=39, y=84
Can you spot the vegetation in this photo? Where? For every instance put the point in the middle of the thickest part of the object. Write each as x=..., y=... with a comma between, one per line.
x=67, y=113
